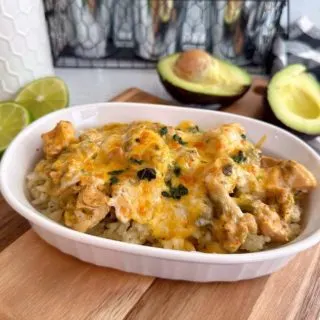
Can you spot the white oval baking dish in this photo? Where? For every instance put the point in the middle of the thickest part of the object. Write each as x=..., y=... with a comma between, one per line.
x=172, y=264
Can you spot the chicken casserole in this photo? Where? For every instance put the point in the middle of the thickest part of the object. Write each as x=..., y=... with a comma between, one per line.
x=170, y=187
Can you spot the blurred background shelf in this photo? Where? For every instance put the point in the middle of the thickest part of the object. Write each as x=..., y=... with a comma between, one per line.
x=134, y=34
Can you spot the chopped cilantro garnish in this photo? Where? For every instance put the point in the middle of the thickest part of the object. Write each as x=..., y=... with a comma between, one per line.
x=194, y=129
x=147, y=174
x=168, y=183
x=177, y=170
x=239, y=157
x=114, y=180
x=175, y=192
x=115, y=172
x=178, y=139
x=163, y=131
x=165, y=194
x=137, y=161
x=178, y=192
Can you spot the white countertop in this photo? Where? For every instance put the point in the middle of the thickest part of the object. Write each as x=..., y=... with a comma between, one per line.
x=99, y=85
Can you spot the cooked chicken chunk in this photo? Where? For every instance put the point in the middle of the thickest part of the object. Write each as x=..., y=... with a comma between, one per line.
x=283, y=200
x=270, y=223
x=225, y=139
x=57, y=139
x=130, y=200
x=112, y=149
x=288, y=173
x=224, y=172
x=267, y=162
x=91, y=207
x=232, y=226
x=179, y=187
x=92, y=135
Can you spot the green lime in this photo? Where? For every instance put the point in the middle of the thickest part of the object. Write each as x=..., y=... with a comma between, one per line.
x=43, y=96
x=13, y=118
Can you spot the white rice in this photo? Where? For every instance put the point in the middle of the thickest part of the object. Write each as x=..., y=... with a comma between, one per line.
x=39, y=185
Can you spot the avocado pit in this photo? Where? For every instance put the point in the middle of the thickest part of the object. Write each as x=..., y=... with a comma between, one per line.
x=192, y=65
x=196, y=77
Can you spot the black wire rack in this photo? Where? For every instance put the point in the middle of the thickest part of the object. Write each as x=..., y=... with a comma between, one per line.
x=136, y=33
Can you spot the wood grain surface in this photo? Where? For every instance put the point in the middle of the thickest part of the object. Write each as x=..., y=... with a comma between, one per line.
x=12, y=225
x=39, y=282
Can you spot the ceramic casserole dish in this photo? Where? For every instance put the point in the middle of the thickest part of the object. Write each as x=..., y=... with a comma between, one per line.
x=25, y=151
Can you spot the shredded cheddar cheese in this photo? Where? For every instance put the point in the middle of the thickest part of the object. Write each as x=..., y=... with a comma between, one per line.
x=174, y=187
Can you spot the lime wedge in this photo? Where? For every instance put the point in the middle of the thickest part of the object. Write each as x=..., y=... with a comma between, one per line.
x=43, y=96
x=13, y=118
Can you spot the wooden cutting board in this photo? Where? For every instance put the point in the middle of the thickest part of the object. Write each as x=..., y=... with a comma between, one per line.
x=40, y=283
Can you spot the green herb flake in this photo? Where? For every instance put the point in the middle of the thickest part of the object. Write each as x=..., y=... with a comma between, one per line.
x=178, y=139
x=243, y=136
x=147, y=174
x=177, y=170
x=115, y=172
x=194, y=129
x=168, y=183
x=113, y=180
x=136, y=161
x=239, y=157
x=163, y=131
x=165, y=194
x=176, y=192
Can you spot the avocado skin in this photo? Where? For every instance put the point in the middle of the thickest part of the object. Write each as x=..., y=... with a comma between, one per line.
x=188, y=97
x=270, y=117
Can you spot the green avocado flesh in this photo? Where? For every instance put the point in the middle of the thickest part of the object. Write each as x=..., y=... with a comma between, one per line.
x=222, y=81
x=294, y=97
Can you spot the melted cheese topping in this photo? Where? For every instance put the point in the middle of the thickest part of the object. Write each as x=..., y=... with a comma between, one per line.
x=155, y=175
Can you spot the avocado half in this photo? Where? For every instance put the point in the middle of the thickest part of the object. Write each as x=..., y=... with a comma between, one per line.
x=294, y=98
x=196, y=77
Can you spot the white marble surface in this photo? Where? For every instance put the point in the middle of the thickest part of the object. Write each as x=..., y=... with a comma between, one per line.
x=98, y=85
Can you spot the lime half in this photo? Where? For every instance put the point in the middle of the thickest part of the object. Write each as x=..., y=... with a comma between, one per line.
x=43, y=96
x=13, y=118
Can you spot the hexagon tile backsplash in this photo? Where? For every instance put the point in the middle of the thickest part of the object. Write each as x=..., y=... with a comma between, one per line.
x=24, y=45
